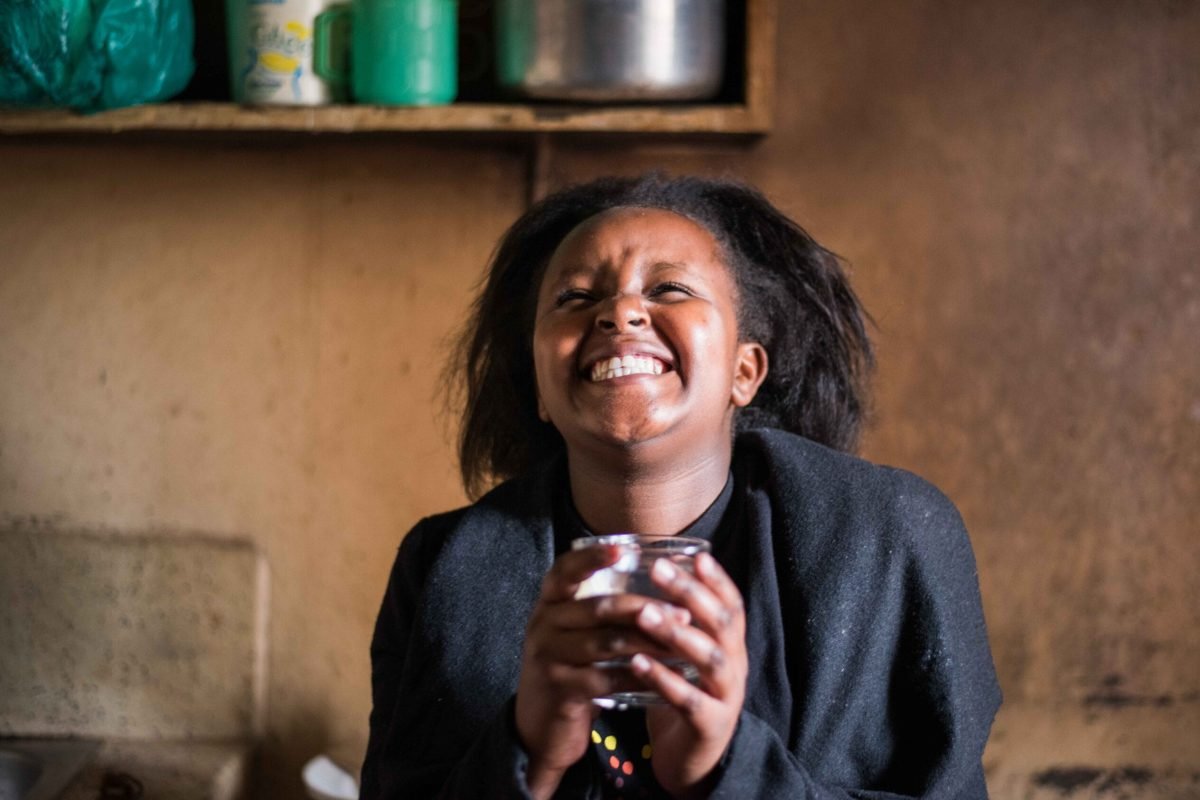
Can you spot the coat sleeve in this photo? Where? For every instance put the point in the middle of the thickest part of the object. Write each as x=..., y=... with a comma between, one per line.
x=927, y=737
x=758, y=765
x=399, y=763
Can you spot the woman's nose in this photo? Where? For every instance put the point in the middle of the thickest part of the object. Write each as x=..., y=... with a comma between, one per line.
x=621, y=312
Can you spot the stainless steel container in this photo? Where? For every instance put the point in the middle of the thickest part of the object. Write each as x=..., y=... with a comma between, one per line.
x=611, y=50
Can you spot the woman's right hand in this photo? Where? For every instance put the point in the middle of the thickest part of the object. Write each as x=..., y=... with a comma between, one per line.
x=565, y=636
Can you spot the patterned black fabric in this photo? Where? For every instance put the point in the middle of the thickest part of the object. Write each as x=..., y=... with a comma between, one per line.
x=622, y=750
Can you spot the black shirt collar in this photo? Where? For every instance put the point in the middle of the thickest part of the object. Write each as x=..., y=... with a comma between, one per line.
x=567, y=519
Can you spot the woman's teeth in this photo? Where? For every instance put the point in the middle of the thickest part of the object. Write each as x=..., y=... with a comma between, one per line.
x=608, y=368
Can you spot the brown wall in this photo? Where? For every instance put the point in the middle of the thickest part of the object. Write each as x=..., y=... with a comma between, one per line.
x=245, y=339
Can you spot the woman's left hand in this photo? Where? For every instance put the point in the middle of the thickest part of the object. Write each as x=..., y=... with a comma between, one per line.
x=691, y=733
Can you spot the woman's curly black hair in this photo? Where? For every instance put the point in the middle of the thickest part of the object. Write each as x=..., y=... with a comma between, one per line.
x=794, y=300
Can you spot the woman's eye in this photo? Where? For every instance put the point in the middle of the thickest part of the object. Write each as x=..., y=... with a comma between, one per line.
x=670, y=288
x=572, y=295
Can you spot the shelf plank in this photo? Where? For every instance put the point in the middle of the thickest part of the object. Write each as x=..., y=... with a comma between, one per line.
x=228, y=117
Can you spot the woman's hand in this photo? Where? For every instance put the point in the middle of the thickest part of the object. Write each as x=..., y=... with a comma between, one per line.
x=690, y=735
x=554, y=709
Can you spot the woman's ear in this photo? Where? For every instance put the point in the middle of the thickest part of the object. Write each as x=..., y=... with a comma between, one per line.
x=749, y=371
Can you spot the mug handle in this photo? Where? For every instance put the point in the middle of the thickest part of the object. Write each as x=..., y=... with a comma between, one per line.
x=324, y=41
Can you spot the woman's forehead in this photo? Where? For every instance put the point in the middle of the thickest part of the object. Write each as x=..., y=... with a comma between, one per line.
x=617, y=233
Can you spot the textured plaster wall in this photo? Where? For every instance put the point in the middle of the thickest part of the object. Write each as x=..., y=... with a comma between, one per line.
x=244, y=340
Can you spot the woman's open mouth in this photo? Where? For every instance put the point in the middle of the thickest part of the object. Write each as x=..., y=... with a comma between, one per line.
x=618, y=367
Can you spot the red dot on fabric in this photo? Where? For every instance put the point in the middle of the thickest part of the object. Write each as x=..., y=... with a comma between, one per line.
x=614, y=762
x=627, y=768
x=620, y=782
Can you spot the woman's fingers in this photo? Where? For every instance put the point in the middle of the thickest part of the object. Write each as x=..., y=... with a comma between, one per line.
x=573, y=568
x=694, y=646
x=583, y=646
x=715, y=644
x=581, y=683
x=673, y=687
x=711, y=597
x=699, y=619
x=613, y=609
x=725, y=589
x=580, y=632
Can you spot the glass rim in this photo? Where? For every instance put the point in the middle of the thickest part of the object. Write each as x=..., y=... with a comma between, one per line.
x=662, y=542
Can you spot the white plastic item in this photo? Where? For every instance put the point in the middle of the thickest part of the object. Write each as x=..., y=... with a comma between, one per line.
x=271, y=53
x=325, y=780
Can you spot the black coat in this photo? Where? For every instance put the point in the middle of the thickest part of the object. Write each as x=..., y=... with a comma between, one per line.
x=870, y=672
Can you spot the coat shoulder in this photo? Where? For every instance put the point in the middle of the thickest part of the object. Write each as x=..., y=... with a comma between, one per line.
x=815, y=484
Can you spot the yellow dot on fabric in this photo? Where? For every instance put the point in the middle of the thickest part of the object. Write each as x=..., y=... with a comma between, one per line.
x=610, y=742
x=646, y=751
x=596, y=737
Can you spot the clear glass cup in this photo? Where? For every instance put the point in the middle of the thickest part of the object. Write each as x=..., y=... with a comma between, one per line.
x=630, y=574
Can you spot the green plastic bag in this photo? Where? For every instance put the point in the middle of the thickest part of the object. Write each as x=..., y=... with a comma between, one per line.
x=94, y=54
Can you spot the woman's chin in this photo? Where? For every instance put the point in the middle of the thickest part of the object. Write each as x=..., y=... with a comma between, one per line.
x=623, y=436
x=628, y=435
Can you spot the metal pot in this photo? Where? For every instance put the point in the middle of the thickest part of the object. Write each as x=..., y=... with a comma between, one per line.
x=611, y=50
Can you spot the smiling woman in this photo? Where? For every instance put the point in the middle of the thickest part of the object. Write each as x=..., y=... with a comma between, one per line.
x=635, y=343
x=675, y=356
x=792, y=298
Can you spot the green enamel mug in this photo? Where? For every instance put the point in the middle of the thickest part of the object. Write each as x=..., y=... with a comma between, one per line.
x=402, y=52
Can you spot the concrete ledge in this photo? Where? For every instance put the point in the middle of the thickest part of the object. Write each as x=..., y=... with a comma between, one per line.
x=142, y=636
x=176, y=770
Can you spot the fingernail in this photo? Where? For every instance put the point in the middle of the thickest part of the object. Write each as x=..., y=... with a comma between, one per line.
x=682, y=615
x=664, y=570
x=640, y=664
x=704, y=564
x=651, y=615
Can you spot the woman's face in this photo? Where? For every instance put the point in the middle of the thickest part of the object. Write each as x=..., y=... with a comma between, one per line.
x=635, y=340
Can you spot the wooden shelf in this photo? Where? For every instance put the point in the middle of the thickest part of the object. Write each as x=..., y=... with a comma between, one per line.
x=227, y=117
x=753, y=116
